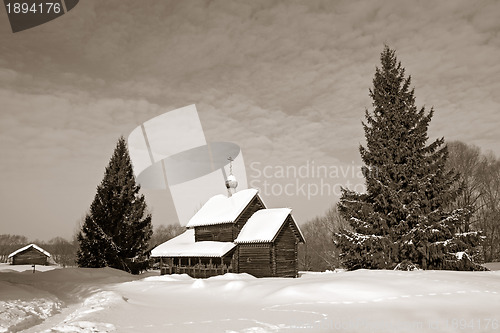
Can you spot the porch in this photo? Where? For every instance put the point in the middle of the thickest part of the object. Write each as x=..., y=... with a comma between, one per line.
x=196, y=267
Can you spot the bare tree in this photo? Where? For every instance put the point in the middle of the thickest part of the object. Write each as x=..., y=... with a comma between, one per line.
x=62, y=251
x=320, y=253
x=163, y=233
x=466, y=160
x=10, y=243
x=480, y=194
x=489, y=176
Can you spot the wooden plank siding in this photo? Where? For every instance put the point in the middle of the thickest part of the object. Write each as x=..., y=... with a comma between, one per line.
x=275, y=259
x=236, y=260
x=255, y=259
x=30, y=256
x=218, y=233
x=285, y=262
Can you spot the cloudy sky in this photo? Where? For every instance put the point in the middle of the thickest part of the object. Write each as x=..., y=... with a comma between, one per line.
x=286, y=80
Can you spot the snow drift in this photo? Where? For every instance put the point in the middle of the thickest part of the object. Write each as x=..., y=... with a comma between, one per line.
x=106, y=300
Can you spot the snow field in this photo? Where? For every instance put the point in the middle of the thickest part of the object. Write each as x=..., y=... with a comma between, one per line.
x=362, y=301
x=106, y=300
x=28, y=299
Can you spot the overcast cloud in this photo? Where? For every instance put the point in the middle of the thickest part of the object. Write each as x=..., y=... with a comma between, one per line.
x=286, y=80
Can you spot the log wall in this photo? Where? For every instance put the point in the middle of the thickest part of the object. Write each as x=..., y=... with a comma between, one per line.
x=255, y=259
x=30, y=256
x=217, y=233
x=285, y=262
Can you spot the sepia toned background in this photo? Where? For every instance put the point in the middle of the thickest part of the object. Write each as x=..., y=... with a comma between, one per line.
x=285, y=80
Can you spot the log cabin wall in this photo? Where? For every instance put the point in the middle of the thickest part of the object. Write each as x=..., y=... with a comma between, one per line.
x=255, y=259
x=218, y=233
x=254, y=205
x=285, y=263
x=30, y=256
x=236, y=260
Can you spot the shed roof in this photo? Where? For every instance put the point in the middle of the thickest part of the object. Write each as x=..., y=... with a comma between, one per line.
x=222, y=209
x=27, y=247
x=184, y=245
x=264, y=226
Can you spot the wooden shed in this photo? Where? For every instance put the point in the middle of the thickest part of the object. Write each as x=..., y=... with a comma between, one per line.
x=29, y=255
x=267, y=244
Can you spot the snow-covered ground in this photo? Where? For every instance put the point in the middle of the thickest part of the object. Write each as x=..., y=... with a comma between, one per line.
x=107, y=300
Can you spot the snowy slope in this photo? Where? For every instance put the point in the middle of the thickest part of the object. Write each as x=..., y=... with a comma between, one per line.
x=106, y=300
x=28, y=299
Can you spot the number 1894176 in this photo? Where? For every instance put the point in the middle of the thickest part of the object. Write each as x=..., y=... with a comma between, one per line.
x=35, y=8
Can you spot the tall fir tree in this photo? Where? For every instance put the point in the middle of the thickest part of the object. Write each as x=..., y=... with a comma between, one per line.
x=117, y=226
x=402, y=216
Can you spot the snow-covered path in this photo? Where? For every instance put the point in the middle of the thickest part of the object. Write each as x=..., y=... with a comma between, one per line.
x=360, y=301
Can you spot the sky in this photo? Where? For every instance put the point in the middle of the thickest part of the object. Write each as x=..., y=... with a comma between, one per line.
x=287, y=81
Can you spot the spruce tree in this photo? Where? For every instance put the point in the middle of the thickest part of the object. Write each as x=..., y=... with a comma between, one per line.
x=402, y=216
x=117, y=227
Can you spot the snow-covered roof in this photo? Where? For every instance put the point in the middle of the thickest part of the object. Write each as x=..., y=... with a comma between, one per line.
x=27, y=247
x=263, y=226
x=222, y=209
x=184, y=245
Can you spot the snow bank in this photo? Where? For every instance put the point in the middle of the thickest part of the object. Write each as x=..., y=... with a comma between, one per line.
x=82, y=327
x=22, y=268
x=169, y=278
x=492, y=266
x=232, y=277
x=106, y=300
x=18, y=314
x=28, y=299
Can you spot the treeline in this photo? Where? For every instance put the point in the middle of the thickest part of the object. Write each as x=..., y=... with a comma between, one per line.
x=163, y=233
x=63, y=251
x=480, y=193
x=319, y=252
x=479, y=182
